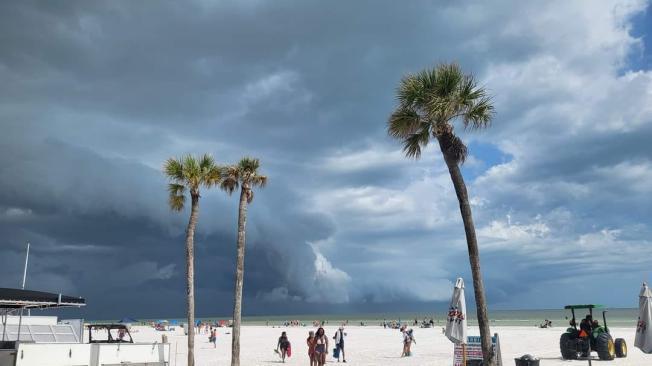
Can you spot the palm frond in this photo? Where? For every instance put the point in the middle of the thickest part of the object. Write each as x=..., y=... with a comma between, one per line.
x=177, y=198
x=426, y=80
x=177, y=202
x=447, y=80
x=438, y=109
x=469, y=91
x=248, y=164
x=403, y=122
x=213, y=176
x=230, y=179
x=173, y=169
x=176, y=189
x=479, y=114
x=429, y=104
x=410, y=91
x=413, y=144
x=191, y=170
x=258, y=181
x=229, y=185
x=189, y=173
x=244, y=174
x=206, y=163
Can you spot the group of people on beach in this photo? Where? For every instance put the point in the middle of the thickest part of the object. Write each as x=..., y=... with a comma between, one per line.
x=391, y=324
x=394, y=324
x=294, y=323
x=546, y=324
x=207, y=327
x=317, y=343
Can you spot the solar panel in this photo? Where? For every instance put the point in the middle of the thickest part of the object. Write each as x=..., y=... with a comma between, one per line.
x=61, y=333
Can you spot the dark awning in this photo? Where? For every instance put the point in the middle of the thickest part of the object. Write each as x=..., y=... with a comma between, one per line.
x=584, y=306
x=11, y=298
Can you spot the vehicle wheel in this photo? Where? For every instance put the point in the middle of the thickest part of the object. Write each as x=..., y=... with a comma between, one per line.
x=621, y=348
x=567, y=347
x=605, y=347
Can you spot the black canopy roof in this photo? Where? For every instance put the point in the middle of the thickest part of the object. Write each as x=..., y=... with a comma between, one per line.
x=11, y=298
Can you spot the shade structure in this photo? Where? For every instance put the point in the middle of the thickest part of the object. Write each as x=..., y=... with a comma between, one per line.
x=643, y=338
x=456, y=319
x=11, y=298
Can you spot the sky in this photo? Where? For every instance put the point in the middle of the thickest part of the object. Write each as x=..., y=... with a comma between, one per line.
x=95, y=96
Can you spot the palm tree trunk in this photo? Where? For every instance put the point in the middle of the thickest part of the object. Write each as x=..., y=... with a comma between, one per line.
x=474, y=255
x=239, y=278
x=190, y=276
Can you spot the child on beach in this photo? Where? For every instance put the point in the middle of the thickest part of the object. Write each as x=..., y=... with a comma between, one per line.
x=321, y=346
x=311, y=348
x=284, y=345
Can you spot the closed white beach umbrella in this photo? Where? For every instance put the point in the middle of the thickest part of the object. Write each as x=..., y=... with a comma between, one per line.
x=456, y=320
x=644, y=327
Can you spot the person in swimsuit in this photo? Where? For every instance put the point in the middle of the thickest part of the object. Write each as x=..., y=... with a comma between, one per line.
x=407, y=342
x=311, y=348
x=283, y=344
x=321, y=346
x=213, y=337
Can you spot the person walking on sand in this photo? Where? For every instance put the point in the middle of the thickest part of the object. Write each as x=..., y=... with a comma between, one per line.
x=410, y=333
x=321, y=346
x=407, y=342
x=213, y=337
x=311, y=348
x=283, y=345
x=339, y=344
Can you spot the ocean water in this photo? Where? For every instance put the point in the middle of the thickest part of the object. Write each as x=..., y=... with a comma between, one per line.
x=525, y=318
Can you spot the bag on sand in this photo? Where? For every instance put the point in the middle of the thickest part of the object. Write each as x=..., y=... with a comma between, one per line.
x=336, y=352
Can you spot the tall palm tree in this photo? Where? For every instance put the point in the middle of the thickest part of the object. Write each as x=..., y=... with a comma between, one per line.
x=246, y=176
x=189, y=174
x=429, y=104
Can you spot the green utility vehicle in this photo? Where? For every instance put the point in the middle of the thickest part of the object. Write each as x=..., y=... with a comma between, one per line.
x=587, y=336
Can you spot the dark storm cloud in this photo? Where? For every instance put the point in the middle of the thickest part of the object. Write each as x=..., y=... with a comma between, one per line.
x=103, y=221
x=187, y=68
x=96, y=95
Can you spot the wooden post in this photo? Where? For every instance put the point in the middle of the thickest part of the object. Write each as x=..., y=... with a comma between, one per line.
x=464, y=354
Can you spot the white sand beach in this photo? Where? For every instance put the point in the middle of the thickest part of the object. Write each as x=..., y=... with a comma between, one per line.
x=373, y=345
